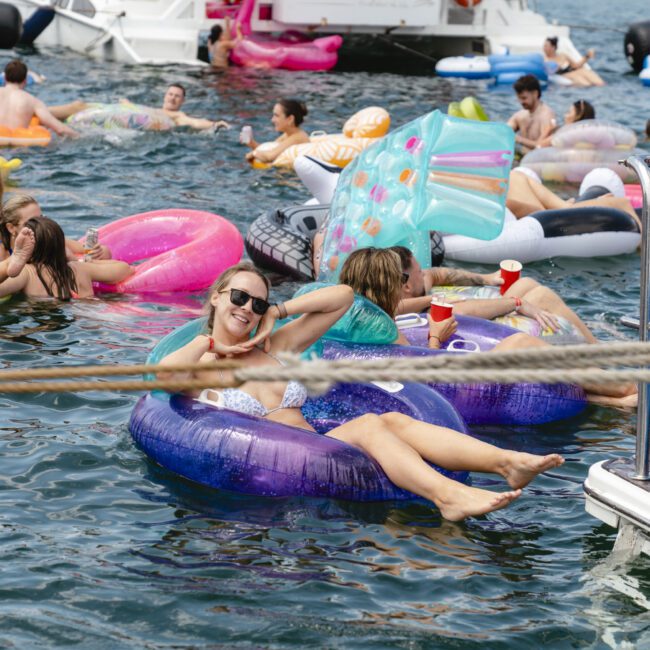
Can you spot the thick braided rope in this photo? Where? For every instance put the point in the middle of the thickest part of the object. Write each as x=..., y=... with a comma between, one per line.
x=568, y=364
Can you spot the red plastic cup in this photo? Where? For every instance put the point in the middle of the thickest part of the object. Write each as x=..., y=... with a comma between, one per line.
x=441, y=310
x=510, y=272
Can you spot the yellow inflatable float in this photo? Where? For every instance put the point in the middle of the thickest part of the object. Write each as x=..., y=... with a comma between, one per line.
x=469, y=109
x=360, y=131
x=7, y=166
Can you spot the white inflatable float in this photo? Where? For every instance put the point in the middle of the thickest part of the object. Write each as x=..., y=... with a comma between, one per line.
x=591, y=231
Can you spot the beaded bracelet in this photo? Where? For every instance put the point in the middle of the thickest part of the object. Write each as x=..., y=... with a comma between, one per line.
x=210, y=342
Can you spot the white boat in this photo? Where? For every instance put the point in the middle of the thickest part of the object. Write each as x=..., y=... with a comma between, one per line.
x=163, y=31
x=617, y=491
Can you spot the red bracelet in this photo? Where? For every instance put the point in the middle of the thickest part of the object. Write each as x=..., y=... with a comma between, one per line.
x=517, y=303
x=210, y=343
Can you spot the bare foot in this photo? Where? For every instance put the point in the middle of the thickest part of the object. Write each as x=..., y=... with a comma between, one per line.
x=521, y=468
x=463, y=501
x=23, y=249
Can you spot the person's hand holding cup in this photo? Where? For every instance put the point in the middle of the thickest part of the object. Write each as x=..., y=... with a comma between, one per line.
x=440, y=310
x=510, y=272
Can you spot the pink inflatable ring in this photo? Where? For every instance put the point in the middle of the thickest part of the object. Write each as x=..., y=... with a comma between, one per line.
x=184, y=250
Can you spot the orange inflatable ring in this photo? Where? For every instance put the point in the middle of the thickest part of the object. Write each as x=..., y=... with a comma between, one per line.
x=468, y=4
x=33, y=135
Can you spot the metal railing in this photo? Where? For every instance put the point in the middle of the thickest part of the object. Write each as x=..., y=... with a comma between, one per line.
x=640, y=165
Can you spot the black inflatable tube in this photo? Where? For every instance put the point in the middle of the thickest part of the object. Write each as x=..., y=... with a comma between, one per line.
x=582, y=221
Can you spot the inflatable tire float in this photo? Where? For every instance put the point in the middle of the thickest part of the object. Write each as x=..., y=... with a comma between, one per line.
x=185, y=250
x=281, y=240
x=466, y=67
x=34, y=135
x=124, y=115
x=229, y=450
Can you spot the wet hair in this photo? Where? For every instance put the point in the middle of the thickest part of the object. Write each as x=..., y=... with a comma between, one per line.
x=528, y=82
x=11, y=214
x=376, y=274
x=405, y=256
x=15, y=72
x=294, y=107
x=647, y=130
x=224, y=279
x=49, y=255
x=584, y=110
x=553, y=41
x=215, y=33
x=180, y=86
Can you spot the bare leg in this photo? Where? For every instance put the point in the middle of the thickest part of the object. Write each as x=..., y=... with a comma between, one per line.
x=406, y=468
x=547, y=299
x=603, y=394
x=526, y=196
x=66, y=110
x=609, y=201
x=23, y=249
x=456, y=451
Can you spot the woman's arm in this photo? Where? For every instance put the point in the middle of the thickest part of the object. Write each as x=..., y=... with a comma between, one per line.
x=109, y=271
x=581, y=63
x=99, y=252
x=299, y=137
x=320, y=309
x=11, y=285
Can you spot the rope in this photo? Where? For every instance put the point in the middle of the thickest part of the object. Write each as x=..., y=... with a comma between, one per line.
x=577, y=364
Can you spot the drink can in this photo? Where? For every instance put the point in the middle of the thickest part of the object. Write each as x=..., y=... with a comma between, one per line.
x=92, y=239
x=246, y=134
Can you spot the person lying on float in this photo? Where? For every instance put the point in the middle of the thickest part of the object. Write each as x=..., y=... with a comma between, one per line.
x=173, y=99
x=526, y=296
x=288, y=115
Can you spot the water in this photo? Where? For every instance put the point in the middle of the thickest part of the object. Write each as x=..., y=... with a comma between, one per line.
x=101, y=549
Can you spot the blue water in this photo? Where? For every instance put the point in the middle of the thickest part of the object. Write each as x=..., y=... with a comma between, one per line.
x=101, y=549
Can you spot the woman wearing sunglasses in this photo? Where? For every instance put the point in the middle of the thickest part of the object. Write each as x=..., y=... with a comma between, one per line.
x=240, y=324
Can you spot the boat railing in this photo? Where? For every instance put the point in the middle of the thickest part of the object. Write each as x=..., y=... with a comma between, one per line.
x=642, y=468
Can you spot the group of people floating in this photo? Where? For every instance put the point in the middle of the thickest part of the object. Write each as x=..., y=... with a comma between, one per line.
x=37, y=260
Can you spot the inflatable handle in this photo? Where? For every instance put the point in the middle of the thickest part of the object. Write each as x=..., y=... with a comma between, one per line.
x=409, y=320
x=467, y=346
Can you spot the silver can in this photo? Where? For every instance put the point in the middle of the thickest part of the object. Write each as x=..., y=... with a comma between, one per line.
x=246, y=134
x=92, y=239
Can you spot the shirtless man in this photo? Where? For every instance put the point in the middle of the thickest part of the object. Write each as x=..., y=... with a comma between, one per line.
x=172, y=102
x=536, y=120
x=18, y=107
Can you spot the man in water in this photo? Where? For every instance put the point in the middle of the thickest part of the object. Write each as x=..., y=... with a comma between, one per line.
x=18, y=107
x=536, y=120
x=172, y=102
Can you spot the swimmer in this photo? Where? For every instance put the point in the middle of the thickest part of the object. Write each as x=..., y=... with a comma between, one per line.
x=172, y=101
x=536, y=119
x=576, y=71
x=17, y=211
x=221, y=42
x=39, y=268
x=377, y=274
x=18, y=107
x=241, y=325
x=579, y=110
x=288, y=115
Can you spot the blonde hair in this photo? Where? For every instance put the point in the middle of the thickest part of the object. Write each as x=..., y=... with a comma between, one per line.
x=376, y=274
x=11, y=214
x=224, y=279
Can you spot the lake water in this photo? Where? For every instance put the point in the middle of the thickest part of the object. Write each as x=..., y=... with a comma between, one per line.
x=101, y=549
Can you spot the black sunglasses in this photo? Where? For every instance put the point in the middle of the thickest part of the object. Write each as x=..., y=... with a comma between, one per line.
x=405, y=278
x=239, y=298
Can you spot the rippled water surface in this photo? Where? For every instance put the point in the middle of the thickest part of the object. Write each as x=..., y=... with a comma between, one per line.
x=100, y=548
